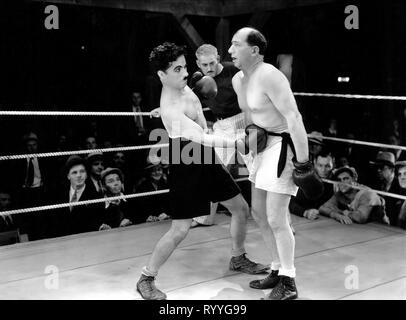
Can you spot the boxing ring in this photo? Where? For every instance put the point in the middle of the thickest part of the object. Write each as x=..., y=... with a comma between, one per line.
x=107, y=264
x=333, y=261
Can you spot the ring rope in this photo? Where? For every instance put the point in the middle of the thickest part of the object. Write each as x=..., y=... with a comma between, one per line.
x=123, y=114
x=67, y=153
x=81, y=203
x=371, y=144
x=354, y=186
x=151, y=193
x=74, y=113
x=350, y=96
x=163, y=145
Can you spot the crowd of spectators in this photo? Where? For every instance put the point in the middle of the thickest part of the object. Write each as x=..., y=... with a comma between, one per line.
x=37, y=181
x=358, y=171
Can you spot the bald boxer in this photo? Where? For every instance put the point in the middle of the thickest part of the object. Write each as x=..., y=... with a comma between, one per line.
x=192, y=184
x=267, y=101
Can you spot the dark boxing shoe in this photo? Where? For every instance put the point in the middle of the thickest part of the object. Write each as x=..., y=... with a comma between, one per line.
x=243, y=264
x=147, y=289
x=267, y=283
x=284, y=290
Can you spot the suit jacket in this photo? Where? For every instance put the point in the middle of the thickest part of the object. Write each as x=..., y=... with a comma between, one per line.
x=20, y=171
x=299, y=204
x=83, y=218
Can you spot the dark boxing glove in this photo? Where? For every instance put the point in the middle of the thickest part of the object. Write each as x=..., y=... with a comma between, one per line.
x=307, y=179
x=203, y=86
x=255, y=139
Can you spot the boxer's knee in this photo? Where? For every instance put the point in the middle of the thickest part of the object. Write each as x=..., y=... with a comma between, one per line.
x=237, y=206
x=260, y=217
x=179, y=232
x=277, y=220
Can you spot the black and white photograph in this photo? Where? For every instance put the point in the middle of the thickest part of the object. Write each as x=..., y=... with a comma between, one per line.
x=212, y=153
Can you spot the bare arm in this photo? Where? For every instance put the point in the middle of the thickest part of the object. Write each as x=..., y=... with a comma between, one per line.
x=278, y=90
x=179, y=125
x=201, y=120
x=330, y=208
x=246, y=111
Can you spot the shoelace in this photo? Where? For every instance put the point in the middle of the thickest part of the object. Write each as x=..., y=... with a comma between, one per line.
x=149, y=284
x=271, y=275
x=280, y=287
x=246, y=262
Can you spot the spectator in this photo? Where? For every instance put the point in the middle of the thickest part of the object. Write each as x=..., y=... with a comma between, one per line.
x=6, y=221
x=62, y=143
x=31, y=174
x=116, y=212
x=81, y=218
x=384, y=165
x=353, y=155
x=90, y=143
x=385, y=172
x=136, y=99
x=96, y=166
x=303, y=207
x=399, y=218
x=333, y=132
x=349, y=205
x=153, y=207
x=315, y=144
x=31, y=179
x=395, y=141
x=119, y=160
x=332, y=128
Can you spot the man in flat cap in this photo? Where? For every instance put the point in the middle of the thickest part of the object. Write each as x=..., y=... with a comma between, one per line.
x=349, y=205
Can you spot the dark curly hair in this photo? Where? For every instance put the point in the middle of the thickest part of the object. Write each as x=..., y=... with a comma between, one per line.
x=162, y=56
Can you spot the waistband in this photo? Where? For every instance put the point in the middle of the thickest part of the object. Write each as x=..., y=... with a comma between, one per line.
x=286, y=141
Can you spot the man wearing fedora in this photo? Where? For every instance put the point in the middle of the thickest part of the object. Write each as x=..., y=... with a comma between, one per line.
x=384, y=166
x=315, y=144
x=349, y=205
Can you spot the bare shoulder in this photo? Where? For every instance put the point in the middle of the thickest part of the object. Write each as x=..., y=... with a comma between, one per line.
x=191, y=95
x=269, y=72
x=270, y=78
x=237, y=77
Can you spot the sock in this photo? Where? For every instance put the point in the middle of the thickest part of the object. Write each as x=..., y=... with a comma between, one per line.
x=237, y=252
x=291, y=273
x=148, y=273
x=275, y=266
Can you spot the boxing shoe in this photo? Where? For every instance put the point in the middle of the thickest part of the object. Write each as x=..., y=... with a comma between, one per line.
x=147, y=289
x=284, y=290
x=245, y=265
x=267, y=283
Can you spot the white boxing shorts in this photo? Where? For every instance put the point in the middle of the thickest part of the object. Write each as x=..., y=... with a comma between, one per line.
x=263, y=167
x=232, y=127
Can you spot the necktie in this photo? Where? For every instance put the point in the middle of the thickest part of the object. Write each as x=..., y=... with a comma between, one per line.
x=30, y=173
x=74, y=198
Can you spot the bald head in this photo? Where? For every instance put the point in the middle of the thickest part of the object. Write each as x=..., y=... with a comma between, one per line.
x=254, y=38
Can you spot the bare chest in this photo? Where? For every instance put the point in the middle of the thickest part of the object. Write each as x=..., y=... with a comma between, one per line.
x=253, y=99
x=186, y=105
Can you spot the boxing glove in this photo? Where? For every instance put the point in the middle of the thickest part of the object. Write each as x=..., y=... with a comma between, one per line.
x=255, y=139
x=307, y=179
x=203, y=86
